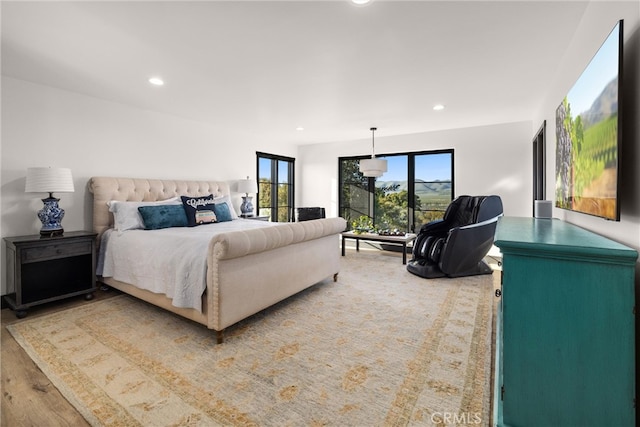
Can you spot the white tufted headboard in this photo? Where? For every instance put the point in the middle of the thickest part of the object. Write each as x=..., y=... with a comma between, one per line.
x=105, y=189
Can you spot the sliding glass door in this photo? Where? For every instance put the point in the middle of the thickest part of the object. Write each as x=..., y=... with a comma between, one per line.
x=416, y=189
x=432, y=186
x=391, y=195
x=355, y=200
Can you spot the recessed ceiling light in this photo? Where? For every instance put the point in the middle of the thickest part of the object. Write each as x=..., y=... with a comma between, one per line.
x=438, y=107
x=361, y=2
x=156, y=81
x=300, y=128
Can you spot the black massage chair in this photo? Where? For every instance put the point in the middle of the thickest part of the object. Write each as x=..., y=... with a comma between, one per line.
x=455, y=245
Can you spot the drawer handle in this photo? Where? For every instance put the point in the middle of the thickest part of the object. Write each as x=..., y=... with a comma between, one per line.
x=498, y=293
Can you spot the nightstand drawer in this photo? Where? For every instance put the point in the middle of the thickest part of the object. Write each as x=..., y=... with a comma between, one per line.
x=62, y=250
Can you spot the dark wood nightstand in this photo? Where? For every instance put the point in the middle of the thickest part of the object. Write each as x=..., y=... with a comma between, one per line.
x=44, y=269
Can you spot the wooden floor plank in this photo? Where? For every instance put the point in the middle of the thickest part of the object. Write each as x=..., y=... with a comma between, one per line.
x=28, y=397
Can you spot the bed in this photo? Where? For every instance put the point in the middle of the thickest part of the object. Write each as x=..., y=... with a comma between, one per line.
x=247, y=269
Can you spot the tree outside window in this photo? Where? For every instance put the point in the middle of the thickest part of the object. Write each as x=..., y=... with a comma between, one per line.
x=427, y=176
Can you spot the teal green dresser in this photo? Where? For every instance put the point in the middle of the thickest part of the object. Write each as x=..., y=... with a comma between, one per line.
x=565, y=350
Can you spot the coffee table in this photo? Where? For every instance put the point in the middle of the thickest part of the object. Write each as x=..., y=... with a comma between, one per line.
x=395, y=240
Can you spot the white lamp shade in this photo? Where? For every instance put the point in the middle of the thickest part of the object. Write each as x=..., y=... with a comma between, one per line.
x=247, y=186
x=49, y=180
x=373, y=167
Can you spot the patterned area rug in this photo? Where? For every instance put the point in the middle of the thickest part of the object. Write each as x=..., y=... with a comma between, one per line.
x=380, y=347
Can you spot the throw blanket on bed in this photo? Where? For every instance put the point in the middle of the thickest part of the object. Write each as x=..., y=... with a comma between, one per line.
x=170, y=261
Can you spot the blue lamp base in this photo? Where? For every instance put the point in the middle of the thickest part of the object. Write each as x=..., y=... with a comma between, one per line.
x=51, y=216
x=246, y=207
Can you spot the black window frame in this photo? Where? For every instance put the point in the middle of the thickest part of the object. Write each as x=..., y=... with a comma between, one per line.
x=274, y=207
x=411, y=155
x=539, y=165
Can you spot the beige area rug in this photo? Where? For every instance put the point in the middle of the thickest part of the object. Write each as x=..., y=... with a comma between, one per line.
x=380, y=347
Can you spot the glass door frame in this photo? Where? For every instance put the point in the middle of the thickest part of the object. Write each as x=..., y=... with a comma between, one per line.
x=411, y=175
x=275, y=183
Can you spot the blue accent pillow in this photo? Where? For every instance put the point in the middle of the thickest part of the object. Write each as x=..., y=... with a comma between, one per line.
x=162, y=216
x=222, y=212
x=199, y=210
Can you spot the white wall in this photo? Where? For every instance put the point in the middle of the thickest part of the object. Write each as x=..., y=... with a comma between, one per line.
x=597, y=22
x=487, y=160
x=44, y=126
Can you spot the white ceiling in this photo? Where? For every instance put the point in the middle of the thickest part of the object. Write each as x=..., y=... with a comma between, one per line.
x=268, y=67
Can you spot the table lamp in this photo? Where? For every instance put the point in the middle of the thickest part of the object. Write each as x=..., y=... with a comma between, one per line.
x=50, y=180
x=247, y=186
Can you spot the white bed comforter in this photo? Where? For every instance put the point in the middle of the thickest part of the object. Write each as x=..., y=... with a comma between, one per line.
x=170, y=261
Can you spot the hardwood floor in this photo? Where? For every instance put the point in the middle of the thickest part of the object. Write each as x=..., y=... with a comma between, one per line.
x=28, y=397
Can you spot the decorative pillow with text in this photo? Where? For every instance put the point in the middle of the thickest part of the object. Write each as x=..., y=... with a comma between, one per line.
x=199, y=210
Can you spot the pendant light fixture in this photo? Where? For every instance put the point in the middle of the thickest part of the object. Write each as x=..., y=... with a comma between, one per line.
x=373, y=167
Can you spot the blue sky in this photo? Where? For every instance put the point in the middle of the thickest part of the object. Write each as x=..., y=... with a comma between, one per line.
x=431, y=167
x=600, y=71
x=265, y=170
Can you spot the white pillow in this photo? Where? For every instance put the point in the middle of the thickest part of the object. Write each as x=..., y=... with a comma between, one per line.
x=126, y=215
x=227, y=200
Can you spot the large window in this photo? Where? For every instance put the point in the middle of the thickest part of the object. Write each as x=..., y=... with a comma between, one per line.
x=275, y=187
x=426, y=176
